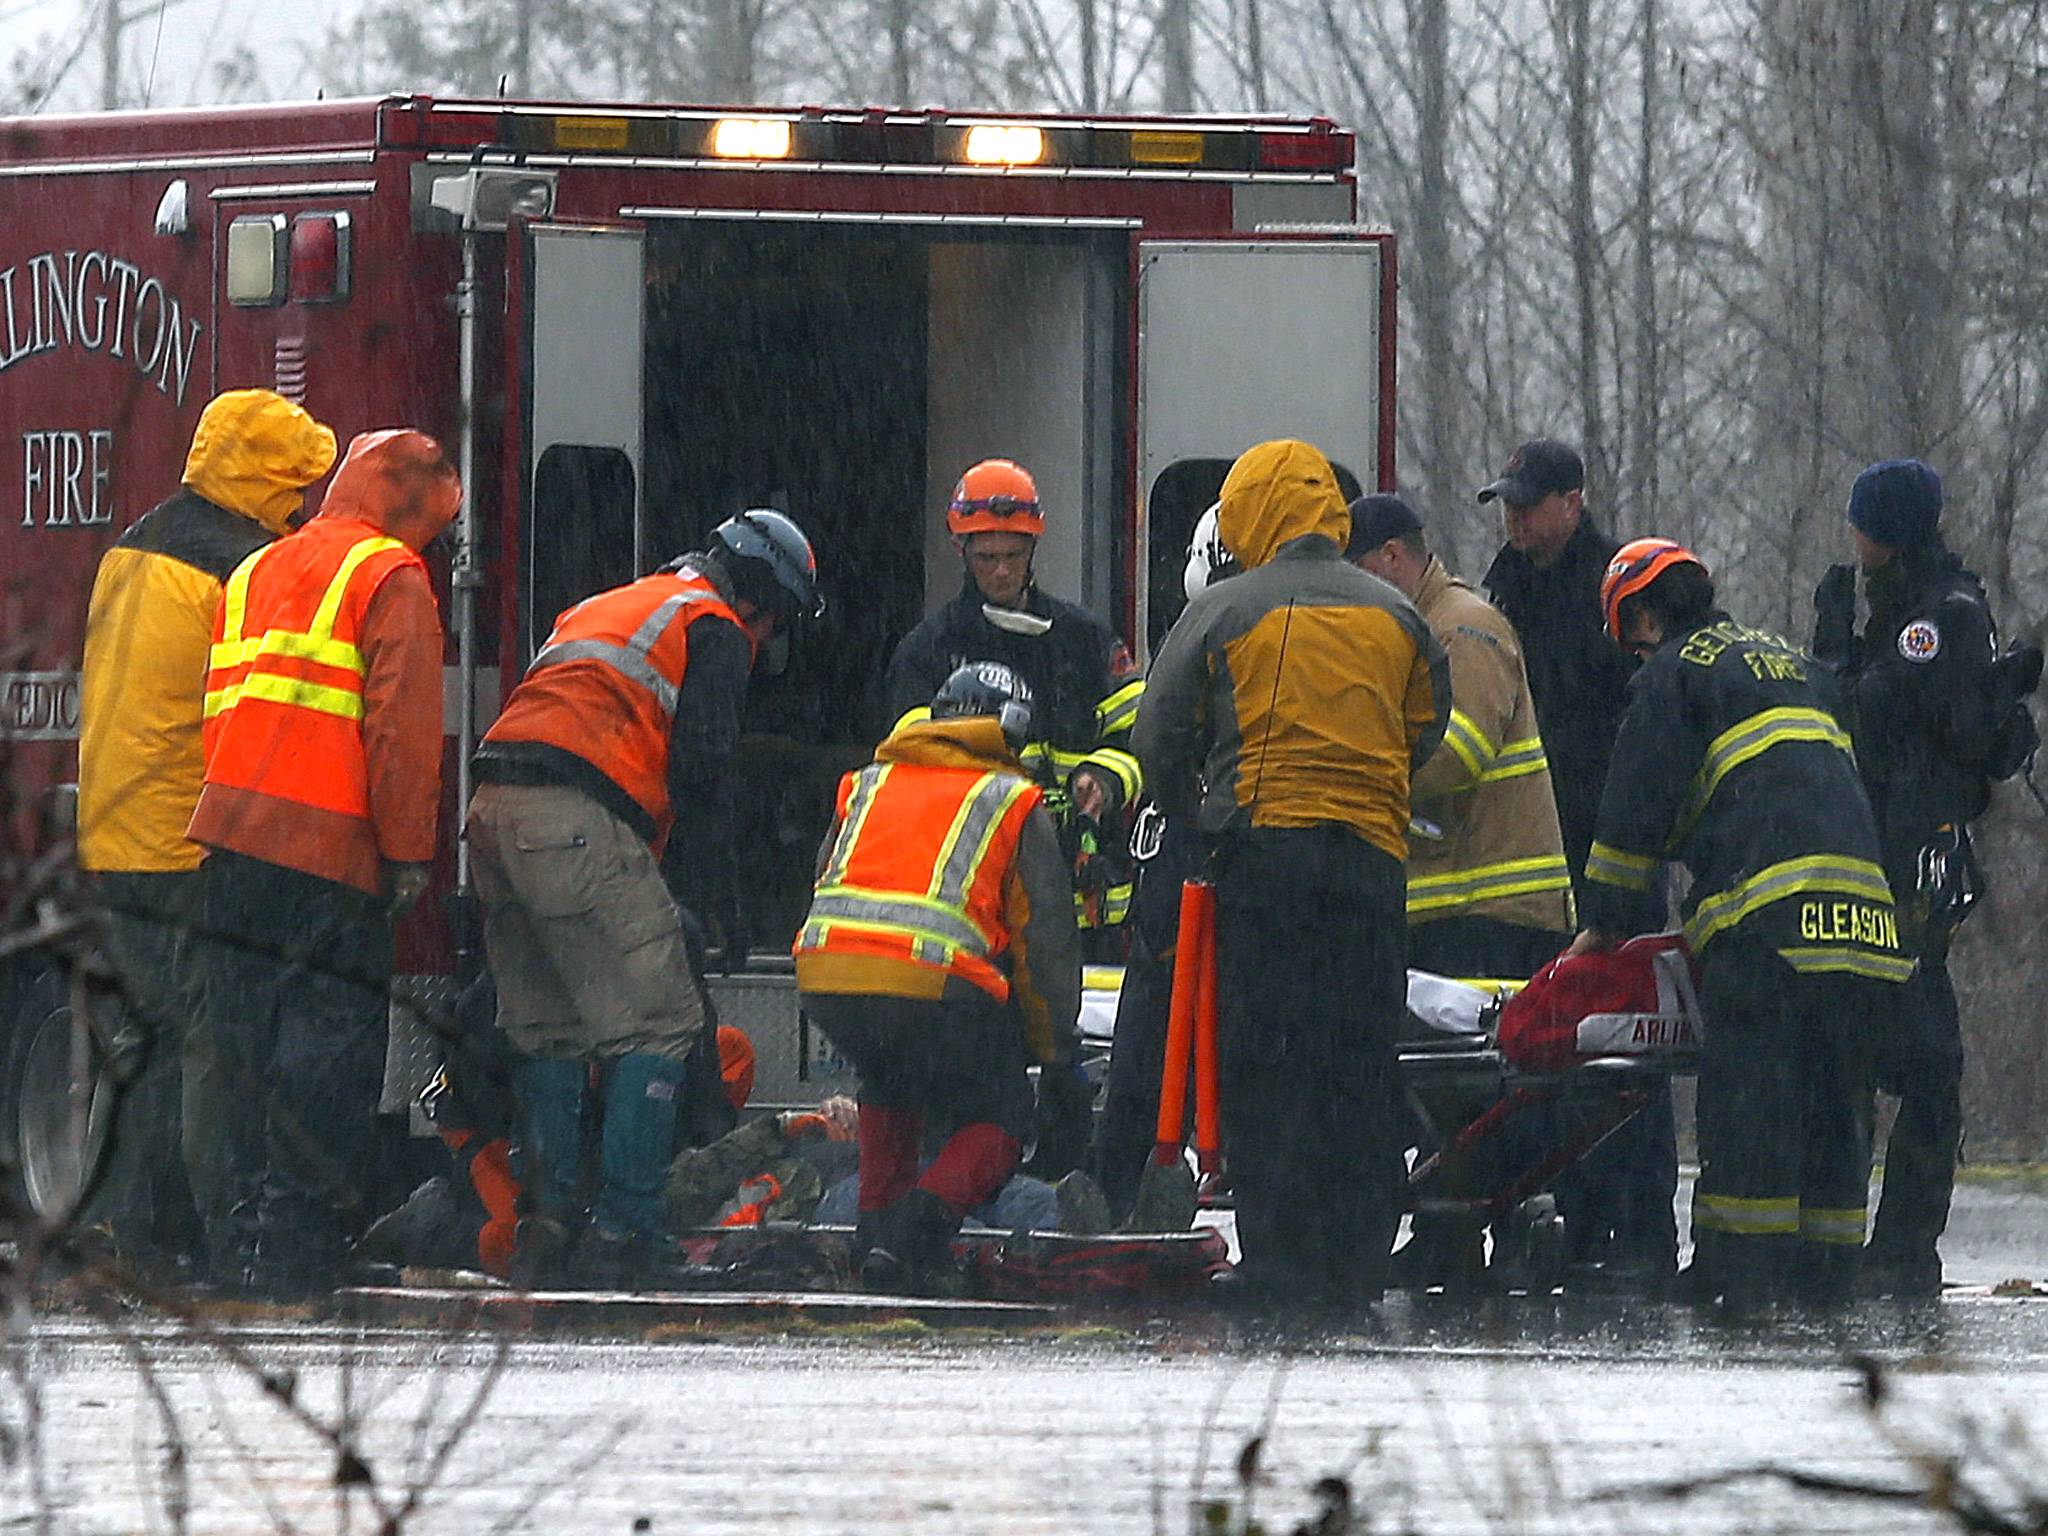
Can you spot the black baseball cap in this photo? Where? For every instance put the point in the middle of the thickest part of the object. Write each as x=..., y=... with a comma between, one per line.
x=1541, y=467
x=1376, y=519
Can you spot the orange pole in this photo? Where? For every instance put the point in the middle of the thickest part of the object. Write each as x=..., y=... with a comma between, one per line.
x=1208, y=1124
x=1180, y=1025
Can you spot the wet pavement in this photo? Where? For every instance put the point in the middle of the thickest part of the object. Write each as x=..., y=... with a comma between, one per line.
x=1515, y=1416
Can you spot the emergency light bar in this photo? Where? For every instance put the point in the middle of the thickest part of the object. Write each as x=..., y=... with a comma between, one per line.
x=824, y=137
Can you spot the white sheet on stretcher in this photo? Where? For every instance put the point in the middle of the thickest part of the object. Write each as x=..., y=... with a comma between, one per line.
x=1453, y=1007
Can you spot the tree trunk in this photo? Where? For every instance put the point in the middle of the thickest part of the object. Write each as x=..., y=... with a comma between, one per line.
x=1643, y=458
x=1432, y=278
x=1177, y=56
x=1575, y=23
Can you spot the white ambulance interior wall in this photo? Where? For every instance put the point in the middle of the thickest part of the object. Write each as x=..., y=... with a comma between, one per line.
x=1013, y=372
x=1244, y=340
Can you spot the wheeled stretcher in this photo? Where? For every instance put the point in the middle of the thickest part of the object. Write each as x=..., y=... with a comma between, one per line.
x=1590, y=1036
x=1478, y=1061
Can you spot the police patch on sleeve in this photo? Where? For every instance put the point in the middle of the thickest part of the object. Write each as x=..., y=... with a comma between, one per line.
x=1920, y=640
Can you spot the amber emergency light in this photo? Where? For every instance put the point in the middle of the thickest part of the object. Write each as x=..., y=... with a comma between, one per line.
x=1004, y=144
x=751, y=138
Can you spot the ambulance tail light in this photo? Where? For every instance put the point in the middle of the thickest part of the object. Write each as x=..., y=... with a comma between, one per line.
x=751, y=138
x=1003, y=144
x=258, y=260
x=321, y=262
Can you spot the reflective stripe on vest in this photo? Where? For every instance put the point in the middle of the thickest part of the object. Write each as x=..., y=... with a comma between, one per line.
x=245, y=655
x=631, y=660
x=936, y=923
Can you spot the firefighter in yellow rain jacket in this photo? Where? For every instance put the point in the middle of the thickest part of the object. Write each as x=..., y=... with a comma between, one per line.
x=1284, y=717
x=139, y=761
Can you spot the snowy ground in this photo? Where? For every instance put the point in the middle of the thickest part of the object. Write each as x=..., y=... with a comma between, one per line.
x=1512, y=1418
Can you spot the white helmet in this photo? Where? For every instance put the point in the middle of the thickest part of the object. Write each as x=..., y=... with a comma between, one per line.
x=1208, y=561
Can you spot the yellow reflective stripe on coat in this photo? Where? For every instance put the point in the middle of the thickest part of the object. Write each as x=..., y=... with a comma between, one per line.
x=1822, y=959
x=1517, y=759
x=1040, y=756
x=1119, y=711
x=1488, y=882
x=1463, y=736
x=916, y=715
x=1121, y=765
x=1618, y=867
x=1748, y=739
x=1114, y=908
x=1822, y=1224
x=1832, y=872
x=1775, y=1217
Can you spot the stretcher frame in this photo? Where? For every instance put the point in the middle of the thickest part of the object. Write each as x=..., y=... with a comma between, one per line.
x=1616, y=1089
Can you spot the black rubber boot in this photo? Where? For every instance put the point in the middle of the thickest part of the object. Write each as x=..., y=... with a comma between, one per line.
x=913, y=1246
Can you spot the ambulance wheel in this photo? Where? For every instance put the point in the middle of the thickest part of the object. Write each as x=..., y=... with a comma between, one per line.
x=50, y=1168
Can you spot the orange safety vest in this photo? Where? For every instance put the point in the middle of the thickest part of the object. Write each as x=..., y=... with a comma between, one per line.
x=604, y=685
x=284, y=681
x=918, y=869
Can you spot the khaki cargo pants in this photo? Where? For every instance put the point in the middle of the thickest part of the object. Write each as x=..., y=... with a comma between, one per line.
x=584, y=940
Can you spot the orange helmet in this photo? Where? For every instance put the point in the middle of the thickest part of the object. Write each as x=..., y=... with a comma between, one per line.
x=995, y=496
x=1634, y=566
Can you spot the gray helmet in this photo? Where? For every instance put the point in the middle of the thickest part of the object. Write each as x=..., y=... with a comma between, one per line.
x=987, y=688
x=771, y=563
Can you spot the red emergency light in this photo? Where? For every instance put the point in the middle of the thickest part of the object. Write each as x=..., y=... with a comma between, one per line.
x=320, y=258
x=1321, y=147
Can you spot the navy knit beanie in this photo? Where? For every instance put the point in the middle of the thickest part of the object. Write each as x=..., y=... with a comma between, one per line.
x=1897, y=503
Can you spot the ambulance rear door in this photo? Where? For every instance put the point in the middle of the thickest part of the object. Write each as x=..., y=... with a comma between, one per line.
x=1242, y=339
x=577, y=294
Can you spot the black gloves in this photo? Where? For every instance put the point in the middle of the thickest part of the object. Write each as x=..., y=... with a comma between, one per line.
x=1066, y=1121
x=1834, y=620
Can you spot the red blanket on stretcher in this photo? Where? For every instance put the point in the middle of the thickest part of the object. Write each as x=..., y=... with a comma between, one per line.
x=1641, y=999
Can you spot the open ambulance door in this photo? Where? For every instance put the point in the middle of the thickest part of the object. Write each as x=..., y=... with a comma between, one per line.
x=1245, y=339
x=577, y=343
